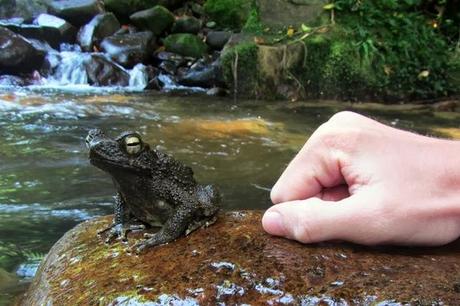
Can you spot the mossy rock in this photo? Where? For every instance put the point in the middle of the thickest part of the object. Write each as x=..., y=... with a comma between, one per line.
x=157, y=19
x=186, y=45
x=187, y=24
x=230, y=14
x=240, y=69
x=234, y=262
x=125, y=8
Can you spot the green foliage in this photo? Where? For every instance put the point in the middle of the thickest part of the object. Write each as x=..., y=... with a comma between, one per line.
x=228, y=13
x=253, y=24
x=406, y=53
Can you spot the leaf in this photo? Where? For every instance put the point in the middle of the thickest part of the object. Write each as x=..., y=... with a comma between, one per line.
x=329, y=6
x=424, y=74
x=305, y=28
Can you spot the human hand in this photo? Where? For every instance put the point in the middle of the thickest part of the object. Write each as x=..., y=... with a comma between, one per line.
x=361, y=181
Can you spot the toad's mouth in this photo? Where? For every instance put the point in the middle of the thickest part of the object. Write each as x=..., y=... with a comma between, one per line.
x=108, y=165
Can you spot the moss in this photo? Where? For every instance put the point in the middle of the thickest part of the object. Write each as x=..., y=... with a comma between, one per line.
x=244, y=56
x=185, y=44
x=228, y=13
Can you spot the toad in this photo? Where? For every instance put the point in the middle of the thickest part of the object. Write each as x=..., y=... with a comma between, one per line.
x=153, y=188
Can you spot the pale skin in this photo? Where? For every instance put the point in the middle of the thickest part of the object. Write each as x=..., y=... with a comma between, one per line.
x=360, y=181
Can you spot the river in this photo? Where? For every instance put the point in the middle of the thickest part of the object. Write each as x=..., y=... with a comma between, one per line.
x=47, y=185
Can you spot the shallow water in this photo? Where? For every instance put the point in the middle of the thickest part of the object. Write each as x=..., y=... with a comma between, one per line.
x=47, y=185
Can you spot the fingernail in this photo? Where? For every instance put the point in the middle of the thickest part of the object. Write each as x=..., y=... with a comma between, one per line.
x=273, y=223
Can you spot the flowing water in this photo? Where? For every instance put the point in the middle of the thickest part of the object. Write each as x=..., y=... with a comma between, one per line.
x=47, y=185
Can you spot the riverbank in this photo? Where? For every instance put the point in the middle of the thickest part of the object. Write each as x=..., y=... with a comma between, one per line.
x=292, y=50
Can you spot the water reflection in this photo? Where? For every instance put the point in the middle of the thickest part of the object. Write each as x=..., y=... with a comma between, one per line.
x=47, y=184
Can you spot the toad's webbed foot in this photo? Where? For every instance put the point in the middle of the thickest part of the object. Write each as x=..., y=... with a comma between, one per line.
x=120, y=231
x=153, y=240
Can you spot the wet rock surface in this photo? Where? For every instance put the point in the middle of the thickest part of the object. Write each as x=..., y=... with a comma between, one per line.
x=98, y=28
x=18, y=54
x=235, y=262
x=77, y=12
x=129, y=49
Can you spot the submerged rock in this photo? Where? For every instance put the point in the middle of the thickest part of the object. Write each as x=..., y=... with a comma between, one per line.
x=77, y=12
x=185, y=44
x=17, y=54
x=129, y=49
x=98, y=28
x=157, y=19
x=236, y=262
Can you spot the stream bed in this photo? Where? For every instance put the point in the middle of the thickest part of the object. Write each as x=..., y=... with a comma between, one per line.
x=47, y=185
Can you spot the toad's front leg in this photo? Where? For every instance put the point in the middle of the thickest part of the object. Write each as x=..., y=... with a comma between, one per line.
x=120, y=226
x=173, y=228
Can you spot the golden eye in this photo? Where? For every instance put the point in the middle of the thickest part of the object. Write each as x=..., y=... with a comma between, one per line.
x=133, y=144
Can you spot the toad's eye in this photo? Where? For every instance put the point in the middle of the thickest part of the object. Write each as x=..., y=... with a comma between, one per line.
x=133, y=144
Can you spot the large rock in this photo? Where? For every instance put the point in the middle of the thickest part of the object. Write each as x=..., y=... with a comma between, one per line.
x=100, y=27
x=129, y=49
x=77, y=12
x=45, y=27
x=17, y=54
x=203, y=75
x=103, y=72
x=281, y=13
x=61, y=30
x=235, y=262
x=186, y=24
x=125, y=8
x=157, y=19
x=217, y=39
x=185, y=44
x=26, y=9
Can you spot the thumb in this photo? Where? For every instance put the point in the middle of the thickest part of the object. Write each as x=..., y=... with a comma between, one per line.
x=312, y=220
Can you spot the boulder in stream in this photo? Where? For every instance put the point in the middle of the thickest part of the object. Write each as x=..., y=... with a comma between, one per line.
x=203, y=75
x=217, y=39
x=17, y=54
x=235, y=262
x=186, y=45
x=157, y=19
x=100, y=27
x=103, y=72
x=77, y=12
x=129, y=49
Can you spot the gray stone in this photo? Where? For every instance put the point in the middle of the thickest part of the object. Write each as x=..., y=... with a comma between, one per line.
x=26, y=9
x=217, y=39
x=17, y=54
x=100, y=27
x=103, y=72
x=187, y=24
x=203, y=75
x=157, y=19
x=77, y=12
x=281, y=13
x=66, y=31
x=129, y=49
